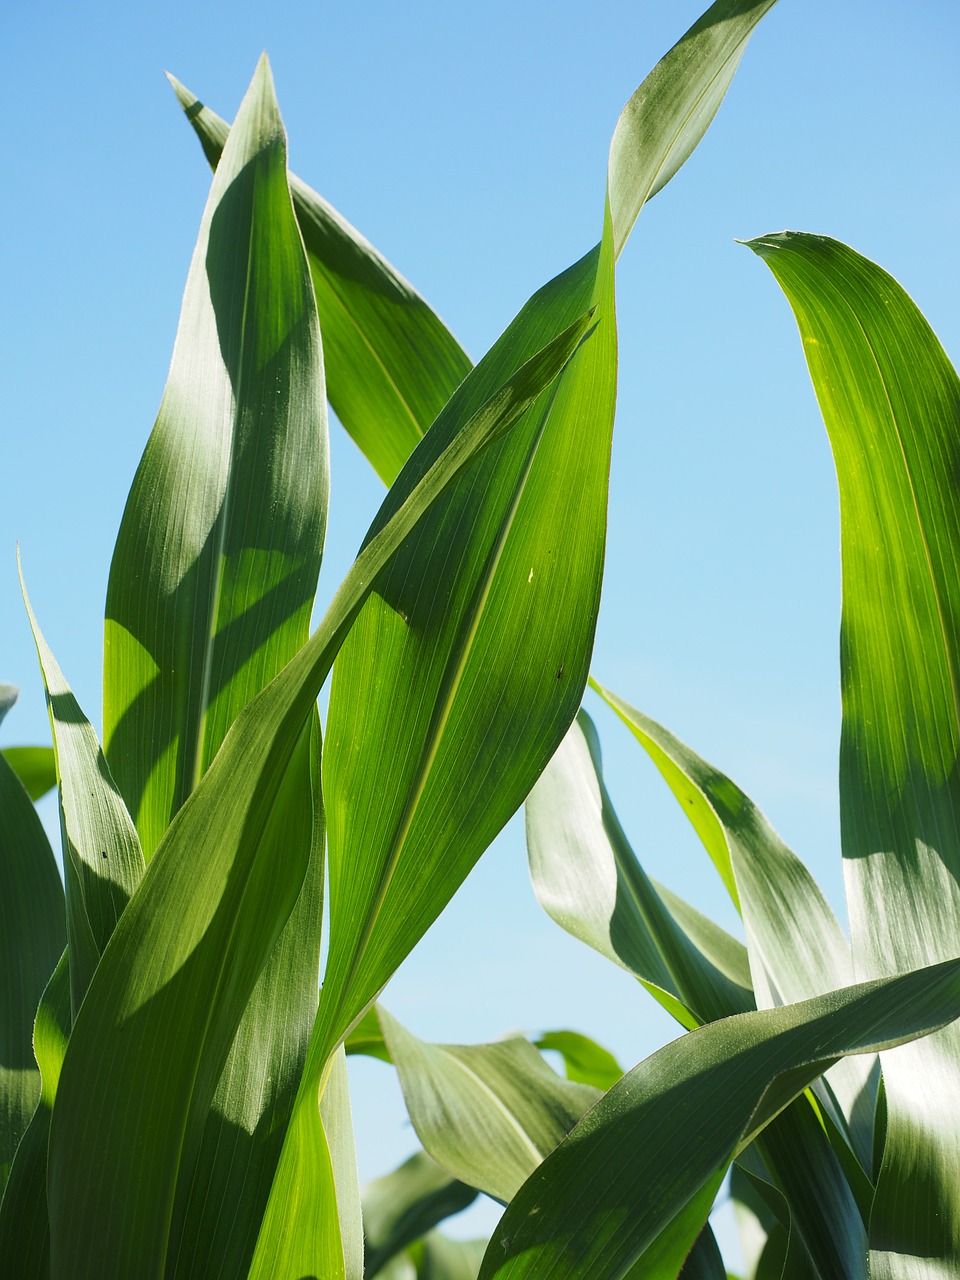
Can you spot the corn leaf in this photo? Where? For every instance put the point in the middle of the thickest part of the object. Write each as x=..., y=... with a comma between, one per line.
x=404, y=1205
x=391, y=364
x=24, y=1221
x=633, y=1183
x=32, y=936
x=794, y=941
x=487, y=1113
x=34, y=766
x=704, y=1261
x=437, y=1257
x=588, y=879
x=102, y=859
x=211, y=590
x=160, y=1015
x=891, y=403
x=584, y=1061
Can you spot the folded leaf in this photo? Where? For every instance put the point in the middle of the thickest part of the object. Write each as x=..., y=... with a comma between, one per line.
x=584, y=1061
x=102, y=859
x=633, y=1183
x=488, y=1113
x=391, y=364
x=891, y=403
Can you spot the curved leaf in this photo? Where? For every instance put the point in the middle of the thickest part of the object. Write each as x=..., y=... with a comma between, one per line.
x=584, y=1061
x=404, y=1205
x=891, y=403
x=634, y=1182
x=34, y=766
x=391, y=363
x=32, y=937
x=487, y=1113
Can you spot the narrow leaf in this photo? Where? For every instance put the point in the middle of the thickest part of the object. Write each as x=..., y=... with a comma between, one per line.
x=391, y=364
x=488, y=1113
x=102, y=859
x=891, y=403
x=633, y=1183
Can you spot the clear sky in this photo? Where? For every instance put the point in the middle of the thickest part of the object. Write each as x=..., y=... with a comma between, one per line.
x=469, y=144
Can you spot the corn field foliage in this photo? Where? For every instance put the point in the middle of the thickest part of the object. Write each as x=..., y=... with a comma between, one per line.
x=173, y=1089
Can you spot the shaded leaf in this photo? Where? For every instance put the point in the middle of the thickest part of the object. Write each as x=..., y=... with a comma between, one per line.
x=405, y=1204
x=635, y=1180
x=34, y=766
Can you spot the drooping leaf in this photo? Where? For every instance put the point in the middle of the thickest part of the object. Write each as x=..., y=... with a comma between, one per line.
x=588, y=879
x=34, y=766
x=367, y=1038
x=634, y=1182
x=24, y=1221
x=32, y=937
x=794, y=941
x=163, y=1008
x=391, y=363
x=487, y=1113
x=102, y=859
x=584, y=1061
x=404, y=1205
x=891, y=403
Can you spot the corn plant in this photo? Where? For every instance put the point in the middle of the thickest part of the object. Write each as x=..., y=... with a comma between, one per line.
x=175, y=1097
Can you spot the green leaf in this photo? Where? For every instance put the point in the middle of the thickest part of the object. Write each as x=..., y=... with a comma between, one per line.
x=588, y=879
x=794, y=941
x=584, y=1061
x=24, y=1220
x=405, y=1204
x=391, y=363
x=704, y=1261
x=367, y=1037
x=167, y=998
x=32, y=937
x=9, y=693
x=211, y=591
x=488, y=1113
x=891, y=403
x=634, y=1182
x=102, y=859
x=437, y=1257
x=669, y=114
x=34, y=766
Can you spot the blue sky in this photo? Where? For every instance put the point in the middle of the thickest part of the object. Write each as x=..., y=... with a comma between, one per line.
x=469, y=144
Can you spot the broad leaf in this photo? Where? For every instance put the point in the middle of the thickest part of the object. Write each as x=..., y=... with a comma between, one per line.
x=891, y=404
x=102, y=859
x=34, y=766
x=404, y=1205
x=633, y=1184
x=488, y=1113
x=164, y=1006
x=391, y=364
x=32, y=936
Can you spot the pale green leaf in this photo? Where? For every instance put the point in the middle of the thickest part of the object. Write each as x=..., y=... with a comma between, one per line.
x=437, y=1257
x=634, y=1181
x=391, y=364
x=891, y=403
x=404, y=1205
x=488, y=1113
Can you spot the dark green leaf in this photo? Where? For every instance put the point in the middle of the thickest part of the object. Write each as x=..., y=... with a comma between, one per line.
x=35, y=767
x=404, y=1205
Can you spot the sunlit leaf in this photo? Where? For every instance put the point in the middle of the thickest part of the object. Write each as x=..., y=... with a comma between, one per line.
x=891, y=403
x=584, y=1061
